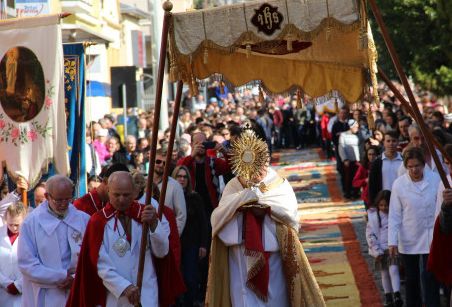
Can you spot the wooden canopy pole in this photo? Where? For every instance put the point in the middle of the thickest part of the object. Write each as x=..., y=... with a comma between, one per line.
x=406, y=104
x=169, y=152
x=167, y=6
x=25, y=198
x=404, y=79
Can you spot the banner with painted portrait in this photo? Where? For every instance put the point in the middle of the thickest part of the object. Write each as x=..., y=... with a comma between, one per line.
x=32, y=113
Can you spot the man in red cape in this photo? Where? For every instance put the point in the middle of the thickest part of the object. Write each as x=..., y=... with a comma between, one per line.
x=440, y=257
x=95, y=200
x=99, y=282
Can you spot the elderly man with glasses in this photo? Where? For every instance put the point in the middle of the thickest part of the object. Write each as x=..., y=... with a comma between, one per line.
x=49, y=246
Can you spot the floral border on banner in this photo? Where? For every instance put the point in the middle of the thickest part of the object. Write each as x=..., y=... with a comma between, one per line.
x=14, y=133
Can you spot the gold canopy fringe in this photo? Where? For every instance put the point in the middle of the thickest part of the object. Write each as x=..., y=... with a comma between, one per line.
x=370, y=120
x=373, y=69
x=363, y=41
x=181, y=67
x=289, y=32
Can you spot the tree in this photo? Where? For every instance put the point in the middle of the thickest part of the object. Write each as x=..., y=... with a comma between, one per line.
x=421, y=32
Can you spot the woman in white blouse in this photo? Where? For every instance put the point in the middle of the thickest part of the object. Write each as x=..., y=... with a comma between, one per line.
x=412, y=214
x=10, y=276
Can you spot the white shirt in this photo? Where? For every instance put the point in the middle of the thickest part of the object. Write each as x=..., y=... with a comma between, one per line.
x=389, y=170
x=174, y=199
x=9, y=270
x=117, y=272
x=48, y=248
x=412, y=213
x=376, y=235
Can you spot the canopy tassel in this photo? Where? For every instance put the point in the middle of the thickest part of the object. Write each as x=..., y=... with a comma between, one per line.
x=328, y=31
x=221, y=87
x=299, y=102
x=248, y=50
x=362, y=45
x=370, y=119
x=336, y=106
x=194, y=87
x=290, y=38
x=206, y=56
x=261, y=95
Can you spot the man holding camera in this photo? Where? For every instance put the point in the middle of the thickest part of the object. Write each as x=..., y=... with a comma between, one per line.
x=204, y=170
x=204, y=173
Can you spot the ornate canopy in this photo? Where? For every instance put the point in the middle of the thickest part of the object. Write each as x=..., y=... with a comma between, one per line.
x=318, y=46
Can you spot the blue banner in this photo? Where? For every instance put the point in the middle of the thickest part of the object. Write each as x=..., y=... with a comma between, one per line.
x=74, y=93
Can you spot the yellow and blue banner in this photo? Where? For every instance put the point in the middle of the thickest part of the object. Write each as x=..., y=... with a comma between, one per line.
x=74, y=93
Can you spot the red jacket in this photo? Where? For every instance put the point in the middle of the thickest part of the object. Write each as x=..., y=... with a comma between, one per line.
x=326, y=135
x=89, y=203
x=277, y=118
x=221, y=168
x=360, y=181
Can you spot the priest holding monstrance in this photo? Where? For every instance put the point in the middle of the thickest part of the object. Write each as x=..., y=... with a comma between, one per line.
x=256, y=257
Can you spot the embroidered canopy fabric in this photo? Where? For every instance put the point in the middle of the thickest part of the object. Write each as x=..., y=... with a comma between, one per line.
x=318, y=46
x=32, y=113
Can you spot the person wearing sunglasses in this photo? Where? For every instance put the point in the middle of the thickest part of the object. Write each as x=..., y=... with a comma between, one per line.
x=174, y=198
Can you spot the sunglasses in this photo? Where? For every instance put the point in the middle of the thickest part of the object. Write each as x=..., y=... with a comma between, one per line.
x=158, y=161
x=182, y=176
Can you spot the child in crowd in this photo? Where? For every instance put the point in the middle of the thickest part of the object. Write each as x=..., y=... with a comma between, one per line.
x=377, y=239
x=10, y=276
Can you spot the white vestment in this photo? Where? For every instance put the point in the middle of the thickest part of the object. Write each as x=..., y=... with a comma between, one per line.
x=117, y=272
x=48, y=248
x=175, y=200
x=9, y=270
x=284, y=207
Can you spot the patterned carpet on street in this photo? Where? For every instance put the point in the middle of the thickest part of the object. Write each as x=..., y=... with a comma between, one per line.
x=326, y=229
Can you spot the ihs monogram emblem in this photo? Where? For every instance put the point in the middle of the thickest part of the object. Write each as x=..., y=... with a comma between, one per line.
x=267, y=19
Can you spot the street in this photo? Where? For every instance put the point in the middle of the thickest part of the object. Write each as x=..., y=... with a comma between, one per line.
x=332, y=229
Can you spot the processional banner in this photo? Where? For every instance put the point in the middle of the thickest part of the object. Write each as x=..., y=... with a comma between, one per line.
x=74, y=95
x=32, y=113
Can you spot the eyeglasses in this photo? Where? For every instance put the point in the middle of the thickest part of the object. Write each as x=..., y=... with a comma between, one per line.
x=182, y=176
x=158, y=161
x=61, y=201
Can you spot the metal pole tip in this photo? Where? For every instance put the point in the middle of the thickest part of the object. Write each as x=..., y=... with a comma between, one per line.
x=167, y=6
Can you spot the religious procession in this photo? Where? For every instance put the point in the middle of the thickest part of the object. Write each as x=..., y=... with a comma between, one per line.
x=224, y=153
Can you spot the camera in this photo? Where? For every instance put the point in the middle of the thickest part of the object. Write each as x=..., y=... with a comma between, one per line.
x=209, y=145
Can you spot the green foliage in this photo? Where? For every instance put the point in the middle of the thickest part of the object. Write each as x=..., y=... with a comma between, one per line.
x=421, y=32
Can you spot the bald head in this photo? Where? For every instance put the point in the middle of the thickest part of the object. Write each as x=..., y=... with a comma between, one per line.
x=59, y=193
x=121, y=190
x=120, y=177
x=59, y=182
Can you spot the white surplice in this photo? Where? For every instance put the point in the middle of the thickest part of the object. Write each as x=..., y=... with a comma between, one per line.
x=9, y=270
x=48, y=248
x=117, y=272
x=284, y=207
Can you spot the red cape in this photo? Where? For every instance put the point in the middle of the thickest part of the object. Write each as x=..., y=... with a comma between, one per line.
x=88, y=289
x=440, y=257
x=85, y=203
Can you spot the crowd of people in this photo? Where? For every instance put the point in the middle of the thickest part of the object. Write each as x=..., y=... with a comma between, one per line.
x=389, y=167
